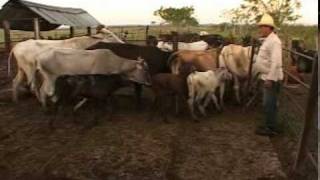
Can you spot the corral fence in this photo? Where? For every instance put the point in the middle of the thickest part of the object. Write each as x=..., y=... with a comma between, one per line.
x=299, y=106
x=63, y=33
x=136, y=34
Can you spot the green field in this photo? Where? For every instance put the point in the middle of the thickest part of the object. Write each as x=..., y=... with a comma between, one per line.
x=306, y=33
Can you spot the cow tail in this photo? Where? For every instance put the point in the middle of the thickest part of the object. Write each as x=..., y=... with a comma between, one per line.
x=190, y=86
x=9, y=62
x=171, y=59
x=36, y=80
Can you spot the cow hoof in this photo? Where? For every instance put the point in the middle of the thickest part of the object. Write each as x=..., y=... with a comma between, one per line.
x=149, y=119
x=204, y=115
x=220, y=111
x=166, y=121
x=196, y=120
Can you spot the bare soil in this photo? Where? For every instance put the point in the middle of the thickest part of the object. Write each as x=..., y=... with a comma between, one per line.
x=222, y=146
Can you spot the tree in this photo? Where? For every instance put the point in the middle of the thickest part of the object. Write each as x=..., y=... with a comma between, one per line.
x=250, y=11
x=177, y=16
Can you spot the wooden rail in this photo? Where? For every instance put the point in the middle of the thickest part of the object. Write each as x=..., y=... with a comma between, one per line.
x=311, y=109
x=296, y=79
x=299, y=54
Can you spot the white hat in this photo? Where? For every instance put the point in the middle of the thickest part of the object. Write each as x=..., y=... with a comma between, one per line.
x=267, y=20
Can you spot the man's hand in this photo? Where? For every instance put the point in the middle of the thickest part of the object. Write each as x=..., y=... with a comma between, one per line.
x=267, y=84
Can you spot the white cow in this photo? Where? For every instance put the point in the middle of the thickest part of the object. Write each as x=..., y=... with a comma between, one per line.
x=236, y=59
x=202, y=85
x=26, y=51
x=194, y=46
x=55, y=62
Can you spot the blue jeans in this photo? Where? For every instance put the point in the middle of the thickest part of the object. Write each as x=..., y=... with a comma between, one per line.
x=270, y=99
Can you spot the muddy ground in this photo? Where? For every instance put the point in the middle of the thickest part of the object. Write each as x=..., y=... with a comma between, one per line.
x=222, y=146
x=129, y=147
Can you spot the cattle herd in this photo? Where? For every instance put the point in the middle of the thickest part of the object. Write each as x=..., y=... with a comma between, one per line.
x=85, y=68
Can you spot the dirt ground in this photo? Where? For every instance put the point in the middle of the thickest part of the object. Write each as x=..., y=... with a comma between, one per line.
x=129, y=147
x=222, y=146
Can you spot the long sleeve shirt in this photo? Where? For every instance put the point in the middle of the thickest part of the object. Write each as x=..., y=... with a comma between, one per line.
x=269, y=59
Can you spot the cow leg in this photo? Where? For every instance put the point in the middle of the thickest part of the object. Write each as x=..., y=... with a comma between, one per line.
x=16, y=83
x=138, y=92
x=111, y=106
x=176, y=101
x=215, y=100
x=202, y=108
x=205, y=104
x=154, y=108
x=94, y=109
x=43, y=95
x=164, y=110
x=55, y=112
x=222, y=90
x=191, y=108
x=236, y=88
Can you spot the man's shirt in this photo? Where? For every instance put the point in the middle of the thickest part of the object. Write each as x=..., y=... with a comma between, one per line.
x=269, y=59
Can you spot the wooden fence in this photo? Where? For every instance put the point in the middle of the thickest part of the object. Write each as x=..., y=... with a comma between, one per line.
x=308, y=113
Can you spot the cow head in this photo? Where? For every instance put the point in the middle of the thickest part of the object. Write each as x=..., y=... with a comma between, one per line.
x=140, y=73
x=106, y=35
x=224, y=74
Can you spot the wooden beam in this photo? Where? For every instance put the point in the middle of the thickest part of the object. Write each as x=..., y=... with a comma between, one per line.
x=7, y=37
x=175, y=42
x=71, y=32
x=36, y=28
x=311, y=110
x=89, y=33
x=250, y=66
x=147, y=32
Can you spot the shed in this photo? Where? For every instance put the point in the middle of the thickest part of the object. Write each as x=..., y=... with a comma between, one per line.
x=20, y=13
x=30, y=16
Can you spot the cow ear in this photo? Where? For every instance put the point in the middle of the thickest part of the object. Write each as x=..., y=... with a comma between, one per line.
x=140, y=60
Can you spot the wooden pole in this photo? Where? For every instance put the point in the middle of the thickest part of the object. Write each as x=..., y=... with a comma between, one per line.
x=89, y=33
x=175, y=41
x=36, y=28
x=71, y=32
x=309, y=117
x=147, y=32
x=7, y=38
x=121, y=33
x=250, y=66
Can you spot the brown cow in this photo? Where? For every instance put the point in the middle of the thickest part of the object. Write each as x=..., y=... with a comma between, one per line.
x=201, y=60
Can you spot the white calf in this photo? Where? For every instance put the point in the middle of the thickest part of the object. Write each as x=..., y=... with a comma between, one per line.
x=203, y=85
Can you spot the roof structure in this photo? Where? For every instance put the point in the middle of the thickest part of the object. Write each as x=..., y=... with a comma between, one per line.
x=20, y=14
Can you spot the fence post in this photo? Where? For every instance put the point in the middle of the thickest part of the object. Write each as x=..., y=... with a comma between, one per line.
x=175, y=41
x=71, y=32
x=7, y=38
x=36, y=28
x=147, y=32
x=309, y=116
x=89, y=33
x=250, y=66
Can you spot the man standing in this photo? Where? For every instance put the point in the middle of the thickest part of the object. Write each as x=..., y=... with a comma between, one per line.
x=269, y=61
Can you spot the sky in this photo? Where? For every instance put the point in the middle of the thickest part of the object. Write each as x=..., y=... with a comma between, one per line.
x=125, y=12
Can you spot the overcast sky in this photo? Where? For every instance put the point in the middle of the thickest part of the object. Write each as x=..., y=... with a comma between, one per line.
x=121, y=12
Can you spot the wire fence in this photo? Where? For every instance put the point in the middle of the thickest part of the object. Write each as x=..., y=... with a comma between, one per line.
x=293, y=108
